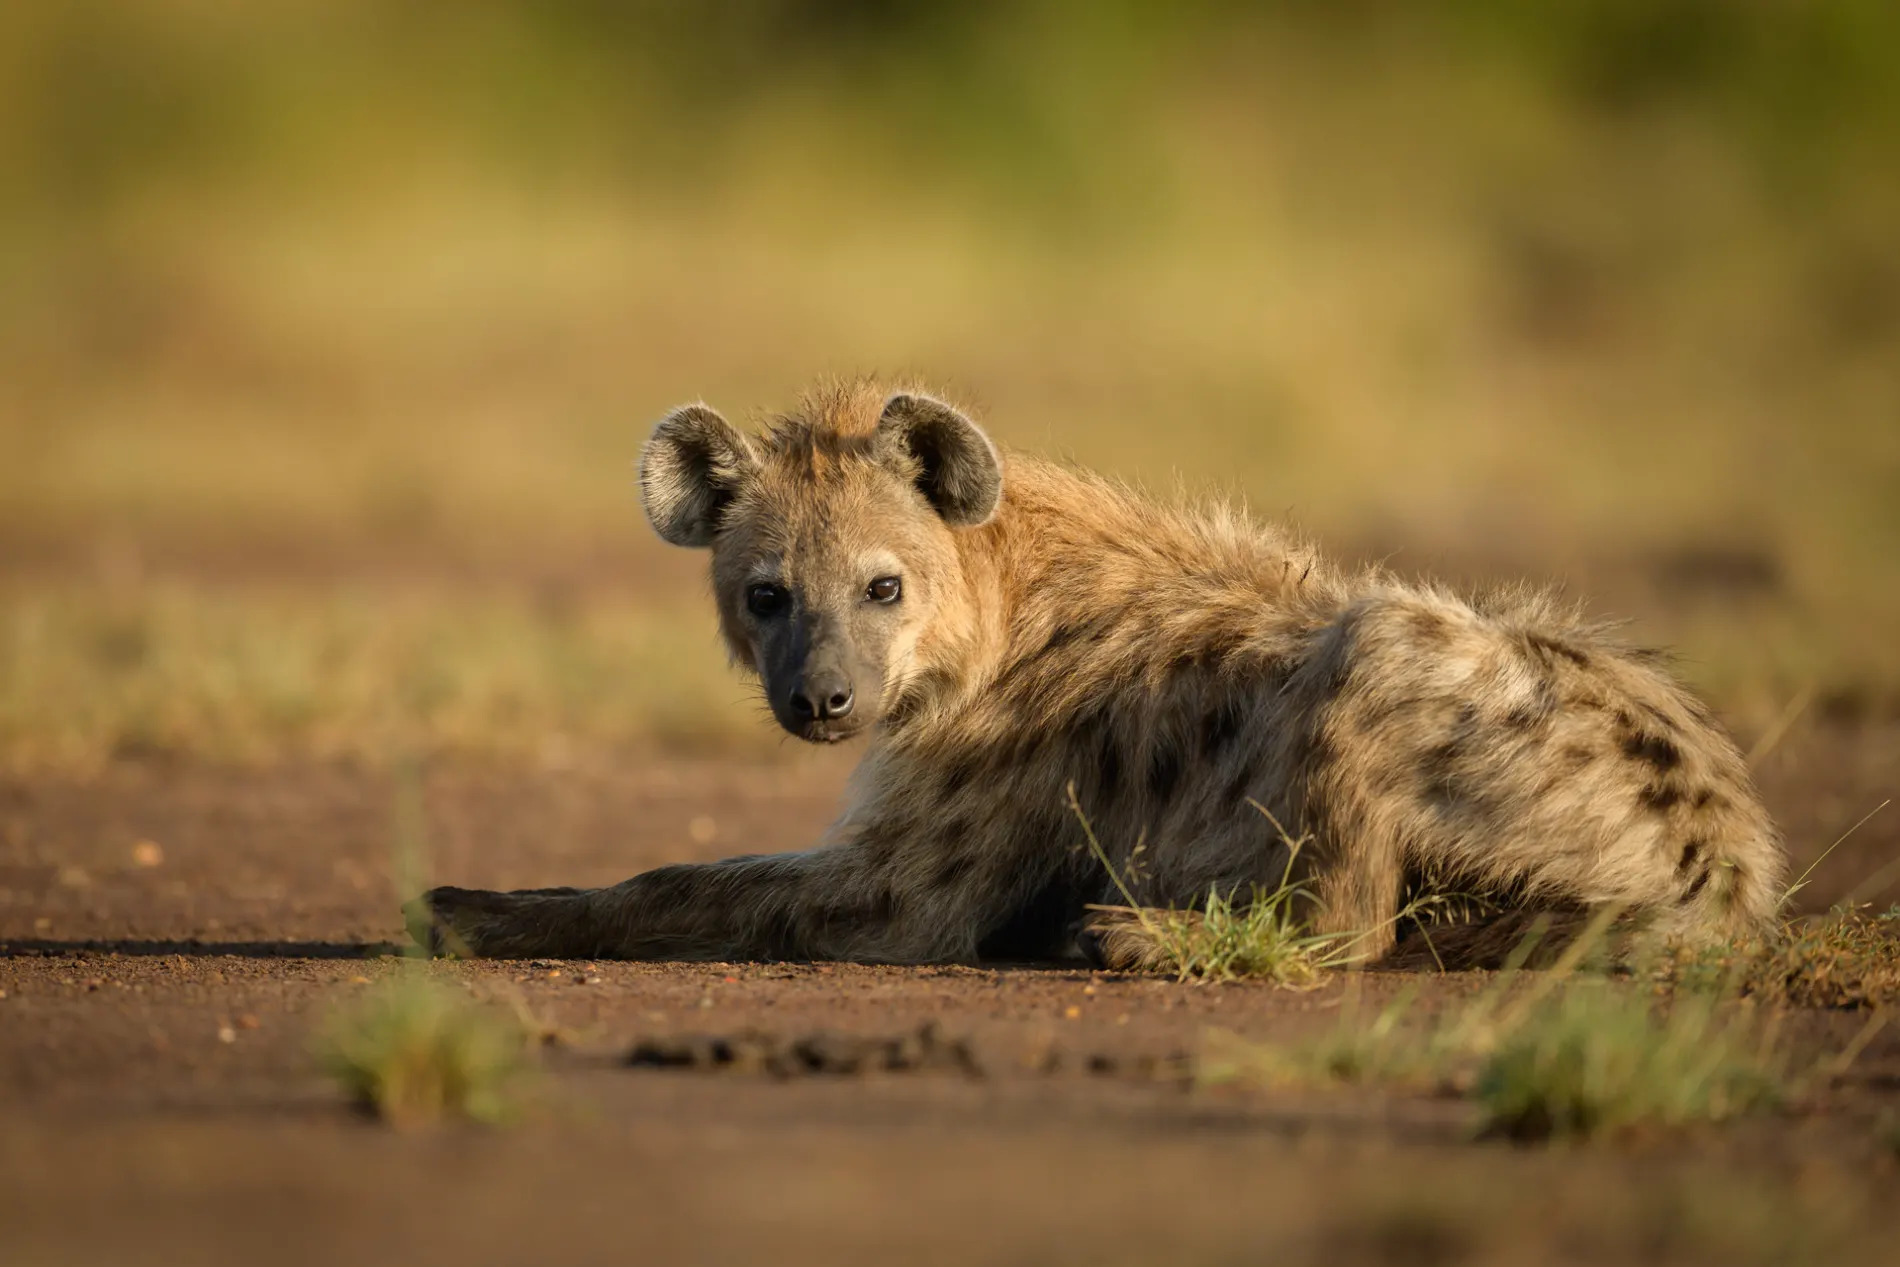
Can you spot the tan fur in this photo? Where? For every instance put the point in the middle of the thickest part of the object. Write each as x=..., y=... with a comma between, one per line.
x=1174, y=663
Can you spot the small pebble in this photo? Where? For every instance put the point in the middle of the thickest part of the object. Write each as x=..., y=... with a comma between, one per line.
x=226, y=1034
x=147, y=853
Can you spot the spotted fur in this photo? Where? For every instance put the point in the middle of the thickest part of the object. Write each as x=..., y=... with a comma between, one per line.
x=1183, y=667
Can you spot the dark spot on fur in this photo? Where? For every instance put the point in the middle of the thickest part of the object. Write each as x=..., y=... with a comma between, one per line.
x=1690, y=852
x=1060, y=637
x=1108, y=765
x=1654, y=749
x=1660, y=796
x=1708, y=798
x=958, y=774
x=1696, y=886
x=1220, y=727
x=1065, y=635
x=1438, y=759
x=1165, y=765
x=1238, y=790
x=1555, y=647
x=1429, y=627
x=952, y=870
x=1576, y=756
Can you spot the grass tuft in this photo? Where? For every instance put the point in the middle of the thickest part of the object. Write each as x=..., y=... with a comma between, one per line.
x=1597, y=1059
x=1263, y=939
x=1847, y=958
x=1551, y=1055
x=414, y=1052
x=1223, y=940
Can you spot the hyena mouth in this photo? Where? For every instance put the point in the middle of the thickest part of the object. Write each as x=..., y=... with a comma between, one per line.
x=827, y=732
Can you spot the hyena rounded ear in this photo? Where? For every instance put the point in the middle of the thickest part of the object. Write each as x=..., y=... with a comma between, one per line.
x=691, y=469
x=951, y=461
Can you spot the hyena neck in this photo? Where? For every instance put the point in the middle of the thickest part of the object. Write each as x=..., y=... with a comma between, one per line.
x=1072, y=555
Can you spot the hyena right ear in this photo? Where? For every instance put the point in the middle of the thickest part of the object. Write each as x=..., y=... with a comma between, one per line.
x=691, y=469
x=947, y=456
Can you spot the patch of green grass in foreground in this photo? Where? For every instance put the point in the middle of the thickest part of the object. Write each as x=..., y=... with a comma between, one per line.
x=1564, y=1057
x=414, y=1052
x=1600, y=1058
x=1597, y=1059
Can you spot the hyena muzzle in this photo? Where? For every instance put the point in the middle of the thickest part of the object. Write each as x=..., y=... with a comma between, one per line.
x=1005, y=632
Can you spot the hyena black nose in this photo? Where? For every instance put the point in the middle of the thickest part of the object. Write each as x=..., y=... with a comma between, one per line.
x=822, y=698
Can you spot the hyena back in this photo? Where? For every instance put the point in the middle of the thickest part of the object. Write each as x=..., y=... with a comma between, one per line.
x=1003, y=629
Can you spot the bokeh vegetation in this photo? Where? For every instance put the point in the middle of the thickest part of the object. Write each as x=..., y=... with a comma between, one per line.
x=329, y=330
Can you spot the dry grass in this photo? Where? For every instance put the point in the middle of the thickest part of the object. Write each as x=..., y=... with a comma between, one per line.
x=416, y=1052
x=262, y=674
x=1846, y=958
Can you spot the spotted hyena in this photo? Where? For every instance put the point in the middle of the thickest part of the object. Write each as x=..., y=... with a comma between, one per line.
x=1001, y=629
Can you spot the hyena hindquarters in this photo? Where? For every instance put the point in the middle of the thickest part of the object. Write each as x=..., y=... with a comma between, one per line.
x=1506, y=751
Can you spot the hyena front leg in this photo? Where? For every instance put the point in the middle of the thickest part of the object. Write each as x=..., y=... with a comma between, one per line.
x=828, y=903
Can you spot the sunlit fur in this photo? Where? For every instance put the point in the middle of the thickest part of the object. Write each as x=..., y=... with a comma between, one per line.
x=1178, y=664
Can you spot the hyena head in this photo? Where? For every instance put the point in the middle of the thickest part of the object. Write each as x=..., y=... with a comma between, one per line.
x=834, y=566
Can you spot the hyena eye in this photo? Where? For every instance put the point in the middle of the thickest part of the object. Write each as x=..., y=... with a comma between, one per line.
x=767, y=600
x=885, y=589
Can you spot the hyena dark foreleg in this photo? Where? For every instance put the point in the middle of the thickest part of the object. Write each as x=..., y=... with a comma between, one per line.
x=828, y=903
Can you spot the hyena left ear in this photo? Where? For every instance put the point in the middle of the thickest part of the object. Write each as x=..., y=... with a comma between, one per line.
x=690, y=471
x=947, y=456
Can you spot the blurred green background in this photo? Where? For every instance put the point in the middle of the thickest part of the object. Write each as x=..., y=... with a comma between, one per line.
x=329, y=329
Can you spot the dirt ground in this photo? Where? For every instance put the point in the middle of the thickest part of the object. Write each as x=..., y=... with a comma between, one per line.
x=170, y=934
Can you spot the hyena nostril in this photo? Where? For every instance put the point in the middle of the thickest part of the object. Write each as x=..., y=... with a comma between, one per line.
x=823, y=702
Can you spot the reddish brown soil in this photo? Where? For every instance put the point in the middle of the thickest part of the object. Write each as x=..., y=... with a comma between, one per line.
x=158, y=1103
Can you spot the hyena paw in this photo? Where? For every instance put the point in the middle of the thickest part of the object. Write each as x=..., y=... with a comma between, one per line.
x=479, y=924
x=1122, y=939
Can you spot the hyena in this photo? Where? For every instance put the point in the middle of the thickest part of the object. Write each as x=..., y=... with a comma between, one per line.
x=1006, y=632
